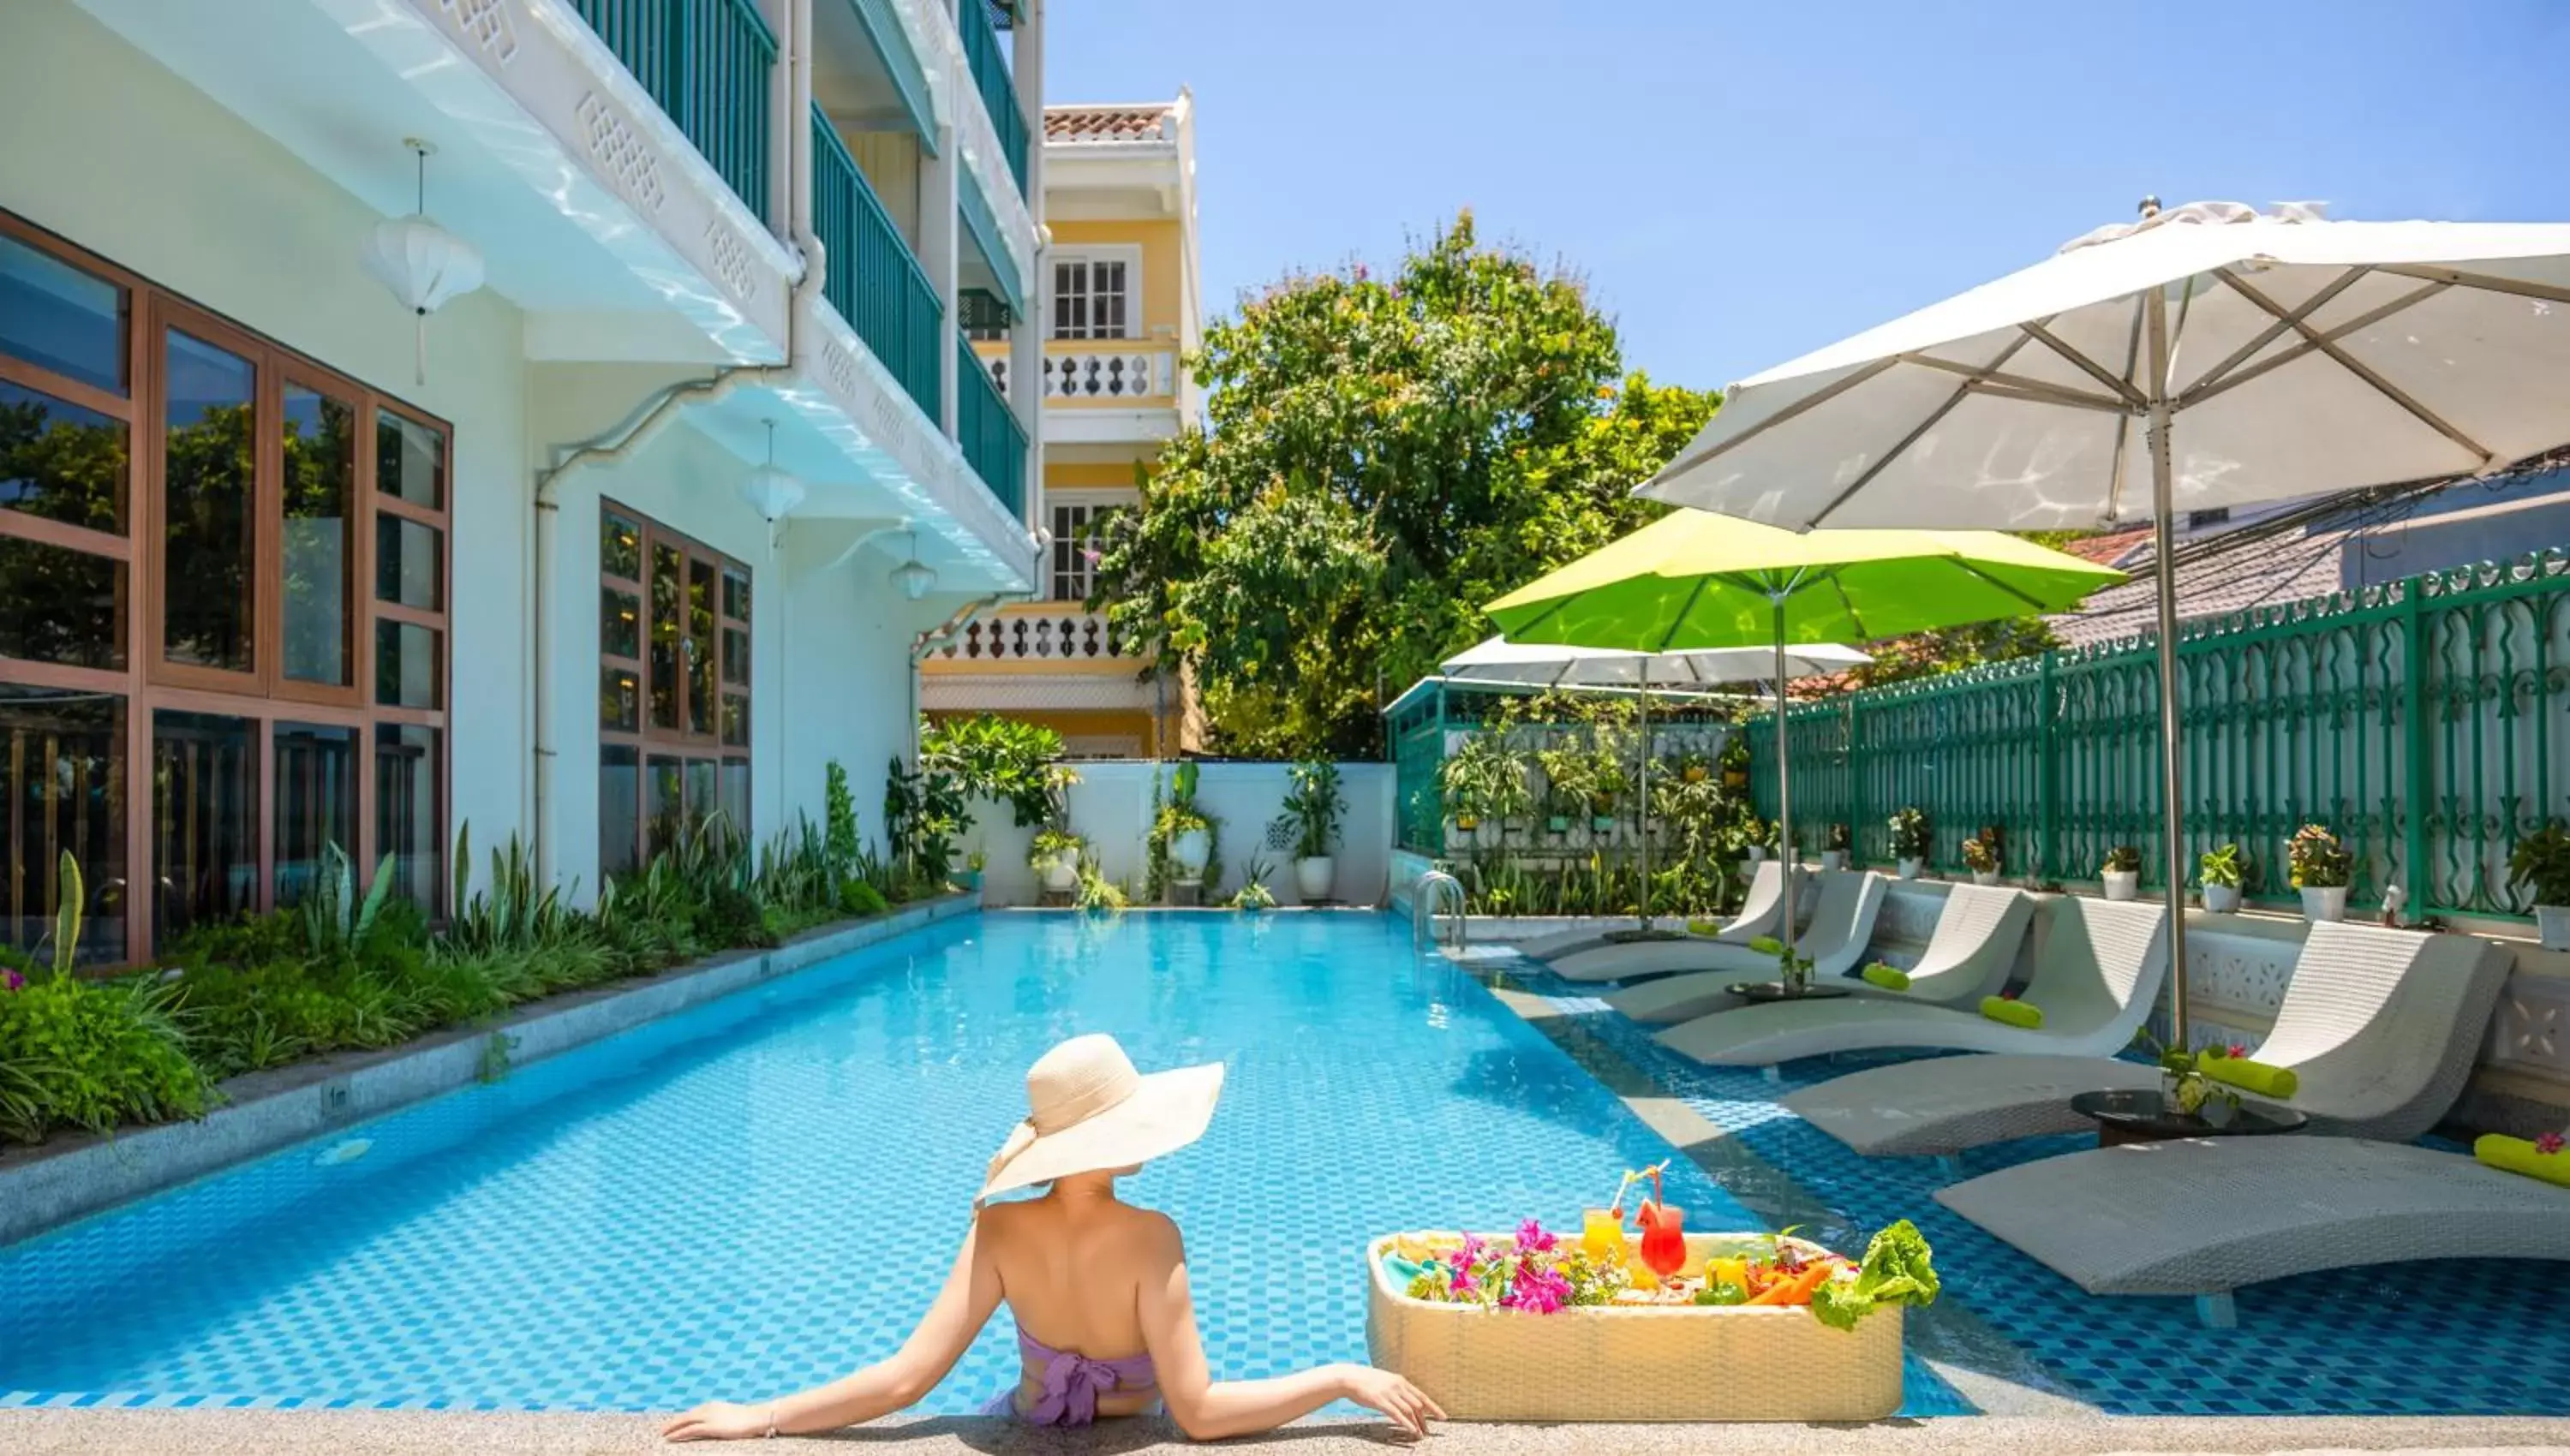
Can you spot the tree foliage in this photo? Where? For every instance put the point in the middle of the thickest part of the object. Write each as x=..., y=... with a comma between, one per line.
x=1384, y=455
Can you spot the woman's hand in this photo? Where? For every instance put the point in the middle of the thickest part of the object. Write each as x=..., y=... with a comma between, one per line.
x=717, y=1421
x=1405, y=1404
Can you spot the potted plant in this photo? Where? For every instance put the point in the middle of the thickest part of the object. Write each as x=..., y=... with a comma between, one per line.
x=1184, y=828
x=2541, y=862
x=1761, y=836
x=2320, y=867
x=1610, y=777
x=1565, y=783
x=1981, y=857
x=1253, y=895
x=1484, y=780
x=973, y=863
x=1055, y=857
x=1910, y=840
x=1315, y=804
x=2223, y=870
x=1693, y=768
x=2122, y=872
x=1735, y=761
x=1836, y=840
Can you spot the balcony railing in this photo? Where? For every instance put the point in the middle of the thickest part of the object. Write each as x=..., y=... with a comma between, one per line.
x=1069, y=635
x=1102, y=373
x=988, y=430
x=873, y=280
x=999, y=88
x=709, y=63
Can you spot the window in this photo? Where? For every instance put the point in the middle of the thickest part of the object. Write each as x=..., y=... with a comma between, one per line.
x=2199, y=520
x=1076, y=531
x=1092, y=298
x=223, y=585
x=673, y=683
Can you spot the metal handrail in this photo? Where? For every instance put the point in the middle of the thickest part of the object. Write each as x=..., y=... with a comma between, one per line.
x=1423, y=908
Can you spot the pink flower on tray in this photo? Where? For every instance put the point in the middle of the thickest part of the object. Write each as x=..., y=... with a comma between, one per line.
x=2548, y=1144
x=12, y=980
x=1533, y=1238
x=1537, y=1291
x=2236, y=1051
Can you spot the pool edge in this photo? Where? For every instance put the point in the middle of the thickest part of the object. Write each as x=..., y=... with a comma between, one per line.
x=72, y=1178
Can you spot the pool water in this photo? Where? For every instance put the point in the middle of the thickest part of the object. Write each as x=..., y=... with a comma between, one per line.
x=764, y=1193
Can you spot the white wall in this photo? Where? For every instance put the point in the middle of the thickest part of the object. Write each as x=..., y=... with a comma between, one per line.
x=1111, y=808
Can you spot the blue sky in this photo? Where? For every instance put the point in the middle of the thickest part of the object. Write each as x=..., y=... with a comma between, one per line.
x=1744, y=182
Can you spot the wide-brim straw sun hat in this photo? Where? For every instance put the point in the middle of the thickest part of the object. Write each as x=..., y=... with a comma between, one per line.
x=1087, y=1111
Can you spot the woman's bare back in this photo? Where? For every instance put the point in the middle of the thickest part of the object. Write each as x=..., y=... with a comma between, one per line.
x=1073, y=1270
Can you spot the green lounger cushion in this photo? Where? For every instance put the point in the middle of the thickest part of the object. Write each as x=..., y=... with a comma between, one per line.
x=2014, y=1013
x=1768, y=946
x=1705, y=927
x=2248, y=1074
x=2516, y=1154
x=1890, y=978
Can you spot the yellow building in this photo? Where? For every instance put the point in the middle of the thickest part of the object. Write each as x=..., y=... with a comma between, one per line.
x=1120, y=306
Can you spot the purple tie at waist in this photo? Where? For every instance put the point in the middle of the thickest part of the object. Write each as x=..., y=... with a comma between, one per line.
x=1073, y=1381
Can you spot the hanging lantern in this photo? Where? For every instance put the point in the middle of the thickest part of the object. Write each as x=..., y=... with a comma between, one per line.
x=422, y=263
x=914, y=577
x=771, y=490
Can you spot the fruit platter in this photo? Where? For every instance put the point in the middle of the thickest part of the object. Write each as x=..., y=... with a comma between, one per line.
x=1538, y=1325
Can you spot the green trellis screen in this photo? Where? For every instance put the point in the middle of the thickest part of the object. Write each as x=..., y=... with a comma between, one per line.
x=2421, y=720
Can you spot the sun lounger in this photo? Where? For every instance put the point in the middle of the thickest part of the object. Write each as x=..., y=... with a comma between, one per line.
x=2380, y=1028
x=1758, y=916
x=2095, y=977
x=1841, y=923
x=1969, y=956
x=2208, y=1215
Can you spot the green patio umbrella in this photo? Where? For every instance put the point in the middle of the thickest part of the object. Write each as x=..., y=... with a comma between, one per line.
x=1693, y=581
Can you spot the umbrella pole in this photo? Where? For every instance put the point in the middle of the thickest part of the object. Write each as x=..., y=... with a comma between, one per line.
x=2164, y=567
x=1785, y=790
x=1644, y=779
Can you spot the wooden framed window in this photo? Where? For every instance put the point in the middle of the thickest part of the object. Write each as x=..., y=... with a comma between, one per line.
x=223, y=585
x=673, y=680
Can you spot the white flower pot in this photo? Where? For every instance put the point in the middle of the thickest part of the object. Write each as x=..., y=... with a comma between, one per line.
x=2122, y=884
x=1833, y=858
x=1757, y=854
x=1187, y=851
x=1060, y=872
x=1909, y=869
x=2221, y=899
x=1985, y=877
x=1312, y=877
x=2552, y=922
x=2324, y=904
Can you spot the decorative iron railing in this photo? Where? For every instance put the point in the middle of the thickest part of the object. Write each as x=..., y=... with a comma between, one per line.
x=1102, y=373
x=998, y=88
x=709, y=63
x=1073, y=635
x=872, y=279
x=2420, y=720
x=994, y=443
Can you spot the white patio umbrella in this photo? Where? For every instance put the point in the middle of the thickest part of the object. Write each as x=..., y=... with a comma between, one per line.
x=2211, y=355
x=1538, y=665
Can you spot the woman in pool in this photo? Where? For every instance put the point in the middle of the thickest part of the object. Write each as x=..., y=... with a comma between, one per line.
x=1098, y=1288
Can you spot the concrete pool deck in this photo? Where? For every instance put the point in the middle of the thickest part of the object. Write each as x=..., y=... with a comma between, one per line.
x=438, y=1433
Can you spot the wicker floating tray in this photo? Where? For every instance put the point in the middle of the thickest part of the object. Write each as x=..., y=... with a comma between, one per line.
x=1636, y=1362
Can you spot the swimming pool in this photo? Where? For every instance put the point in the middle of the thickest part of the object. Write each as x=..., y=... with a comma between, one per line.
x=765, y=1192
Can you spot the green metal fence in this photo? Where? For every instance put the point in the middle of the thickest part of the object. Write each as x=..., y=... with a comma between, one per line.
x=872, y=279
x=709, y=63
x=992, y=79
x=2415, y=719
x=994, y=443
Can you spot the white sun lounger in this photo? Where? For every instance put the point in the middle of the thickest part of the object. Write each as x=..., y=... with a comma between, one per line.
x=2208, y=1215
x=1841, y=923
x=1969, y=956
x=1757, y=917
x=2380, y=1027
x=2095, y=977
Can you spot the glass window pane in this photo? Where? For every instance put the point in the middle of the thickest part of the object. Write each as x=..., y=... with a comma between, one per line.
x=662, y=674
x=663, y=803
x=408, y=671
x=735, y=792
x=204, y=819
x=410, y=461
x=619, y=700
x=57, y=318
x=735, y=656
x=59, y=605
x=701, y=795
x=736, y=720
x=61, y=461
x=620, y=809
x=700, y=646
x=316, y=802
x=620, y=623
x=736, y=593
x=410, y=566
x=620, y=545
x=206, y=574
x=410, y=815
x=62, y=787
x=319, y=536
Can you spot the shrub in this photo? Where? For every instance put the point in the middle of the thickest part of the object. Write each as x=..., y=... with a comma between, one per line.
x=2541, y=862
x=93, y=1055
x=2316, y=859
x=2124, y=860
x=858, y=897
x=2222, y=869
x=1909, y=834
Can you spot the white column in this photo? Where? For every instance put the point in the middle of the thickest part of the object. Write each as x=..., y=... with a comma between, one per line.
x=1026, y=340
x=940, y=228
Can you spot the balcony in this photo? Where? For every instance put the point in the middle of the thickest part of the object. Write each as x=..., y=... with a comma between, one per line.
x=999, y=88
x=873, y=280
x=1075, y=372
x=707, y=63
x=994, y=443
x=1043, y=632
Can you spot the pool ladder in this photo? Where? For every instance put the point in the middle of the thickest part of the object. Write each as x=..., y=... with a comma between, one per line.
x=1433, y=887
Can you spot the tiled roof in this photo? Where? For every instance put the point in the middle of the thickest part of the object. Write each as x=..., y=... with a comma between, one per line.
x=2270, y=573
x=1077, y=124
x=2107, y=550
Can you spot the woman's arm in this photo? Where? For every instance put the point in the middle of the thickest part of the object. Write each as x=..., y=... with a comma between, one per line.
x=962, y=1307
x=1208, y=1410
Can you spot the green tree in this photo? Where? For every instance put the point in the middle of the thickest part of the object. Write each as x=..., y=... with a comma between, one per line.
x=1384, y=455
